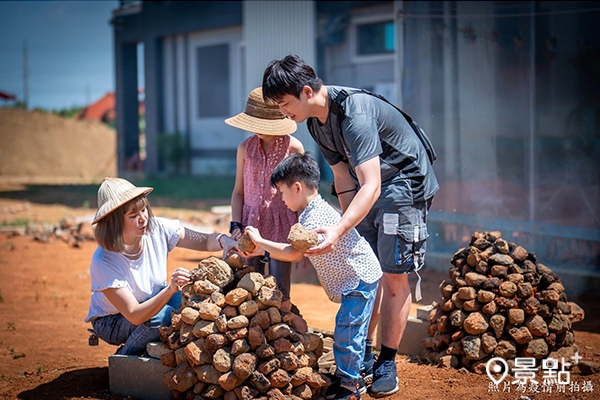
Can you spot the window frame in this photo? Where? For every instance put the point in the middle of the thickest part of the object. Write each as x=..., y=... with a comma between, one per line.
x=364, y=20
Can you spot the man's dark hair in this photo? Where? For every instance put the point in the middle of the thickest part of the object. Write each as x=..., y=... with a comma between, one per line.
x=287, y=77
x=297, y=168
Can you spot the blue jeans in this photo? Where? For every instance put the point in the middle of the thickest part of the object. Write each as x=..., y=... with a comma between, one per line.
x=116, y=329
x=351, y=324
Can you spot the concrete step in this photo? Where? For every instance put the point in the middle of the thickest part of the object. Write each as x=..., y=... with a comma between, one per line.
x=139, y=377
x=416, y=329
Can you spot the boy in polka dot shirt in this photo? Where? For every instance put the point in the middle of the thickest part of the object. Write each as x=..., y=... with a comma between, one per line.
x=349, y=274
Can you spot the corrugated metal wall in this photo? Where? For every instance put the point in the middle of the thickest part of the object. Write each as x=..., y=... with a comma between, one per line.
x=274, y=29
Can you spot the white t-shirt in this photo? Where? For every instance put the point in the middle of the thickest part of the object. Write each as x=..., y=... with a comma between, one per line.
x=145, y=277
x=351, y=260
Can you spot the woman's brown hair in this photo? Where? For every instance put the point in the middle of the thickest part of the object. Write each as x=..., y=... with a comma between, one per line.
x=109, y=230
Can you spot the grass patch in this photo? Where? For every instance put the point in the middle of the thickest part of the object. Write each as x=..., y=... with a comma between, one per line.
x=173, y=191
x=16, y=222
x=199, y=187
x=15, y=355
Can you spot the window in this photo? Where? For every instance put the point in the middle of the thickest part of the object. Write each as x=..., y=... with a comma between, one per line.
x=213, y=81
x=372, y=38
x=375, y=38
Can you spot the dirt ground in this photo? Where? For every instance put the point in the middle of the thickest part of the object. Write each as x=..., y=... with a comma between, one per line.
x=44, y=297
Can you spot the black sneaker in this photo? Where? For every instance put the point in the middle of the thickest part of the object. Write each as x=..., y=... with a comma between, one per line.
x=366, y=369
x=335, y=387
x=362, y=386
x=345, y=394
x=385, y=378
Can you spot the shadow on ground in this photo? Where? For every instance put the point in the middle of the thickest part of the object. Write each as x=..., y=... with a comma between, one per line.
x=67, y=195
x=89, y=382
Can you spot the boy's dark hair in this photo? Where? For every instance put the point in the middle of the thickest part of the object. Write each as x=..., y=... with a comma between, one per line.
x=287, y=77
x=297, y=168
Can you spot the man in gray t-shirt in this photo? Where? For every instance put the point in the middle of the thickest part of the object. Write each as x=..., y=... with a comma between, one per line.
x=384, y=183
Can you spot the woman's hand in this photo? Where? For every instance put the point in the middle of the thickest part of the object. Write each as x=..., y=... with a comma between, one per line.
x=179, y=277
x=228, y=245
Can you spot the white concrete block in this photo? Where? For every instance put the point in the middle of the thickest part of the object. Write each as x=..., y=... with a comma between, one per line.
x=416, y=329
x=140, y=377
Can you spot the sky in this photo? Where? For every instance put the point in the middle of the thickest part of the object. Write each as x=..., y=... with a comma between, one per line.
x=70, y=51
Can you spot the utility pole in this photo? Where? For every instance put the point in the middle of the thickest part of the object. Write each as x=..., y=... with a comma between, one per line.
x=25, y=74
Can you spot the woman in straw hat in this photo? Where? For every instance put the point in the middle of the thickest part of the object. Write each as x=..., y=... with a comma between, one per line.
x=254, y=202
x=132, y=295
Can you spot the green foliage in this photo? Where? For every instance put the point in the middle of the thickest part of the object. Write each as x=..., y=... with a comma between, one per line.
x=186, y=188
x=68, y=112
x=16, y=222
x=181, y=191
x=174, y=152
x=17, y=104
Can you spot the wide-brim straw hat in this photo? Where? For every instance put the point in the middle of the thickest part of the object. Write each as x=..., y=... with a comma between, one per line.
x=262, y=118
x=113, y=193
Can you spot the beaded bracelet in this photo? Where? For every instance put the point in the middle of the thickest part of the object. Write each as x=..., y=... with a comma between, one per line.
x=219, y=239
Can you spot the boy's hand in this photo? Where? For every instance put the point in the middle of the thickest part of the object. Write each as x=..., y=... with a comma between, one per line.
x=254, y=234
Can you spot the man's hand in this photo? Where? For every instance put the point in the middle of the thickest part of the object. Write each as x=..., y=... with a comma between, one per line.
x=332, y=235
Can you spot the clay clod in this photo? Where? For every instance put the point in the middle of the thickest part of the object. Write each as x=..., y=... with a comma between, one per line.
x=301, y=239
x=246, y=244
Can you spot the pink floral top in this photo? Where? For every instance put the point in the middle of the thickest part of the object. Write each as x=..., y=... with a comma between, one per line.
x=263, y=205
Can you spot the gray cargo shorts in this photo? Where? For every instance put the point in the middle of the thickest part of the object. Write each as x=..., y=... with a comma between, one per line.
x=398, y=236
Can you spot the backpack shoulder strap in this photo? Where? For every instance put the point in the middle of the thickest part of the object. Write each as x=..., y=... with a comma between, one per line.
x=337, y=102
x=337, y=109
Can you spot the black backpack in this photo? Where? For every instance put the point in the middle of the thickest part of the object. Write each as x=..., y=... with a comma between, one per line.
x=336, y=108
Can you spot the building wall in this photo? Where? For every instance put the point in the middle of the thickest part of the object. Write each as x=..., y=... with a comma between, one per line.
x=149, y=23
x=507, y=91
x=272, y=30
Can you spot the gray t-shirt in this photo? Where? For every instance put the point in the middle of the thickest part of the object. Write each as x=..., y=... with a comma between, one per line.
x=374, y=128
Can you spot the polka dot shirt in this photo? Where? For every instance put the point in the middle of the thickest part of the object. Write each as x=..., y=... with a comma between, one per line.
x=352, y=259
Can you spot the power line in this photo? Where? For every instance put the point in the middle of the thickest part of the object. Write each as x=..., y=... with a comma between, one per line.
x=25, y=75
